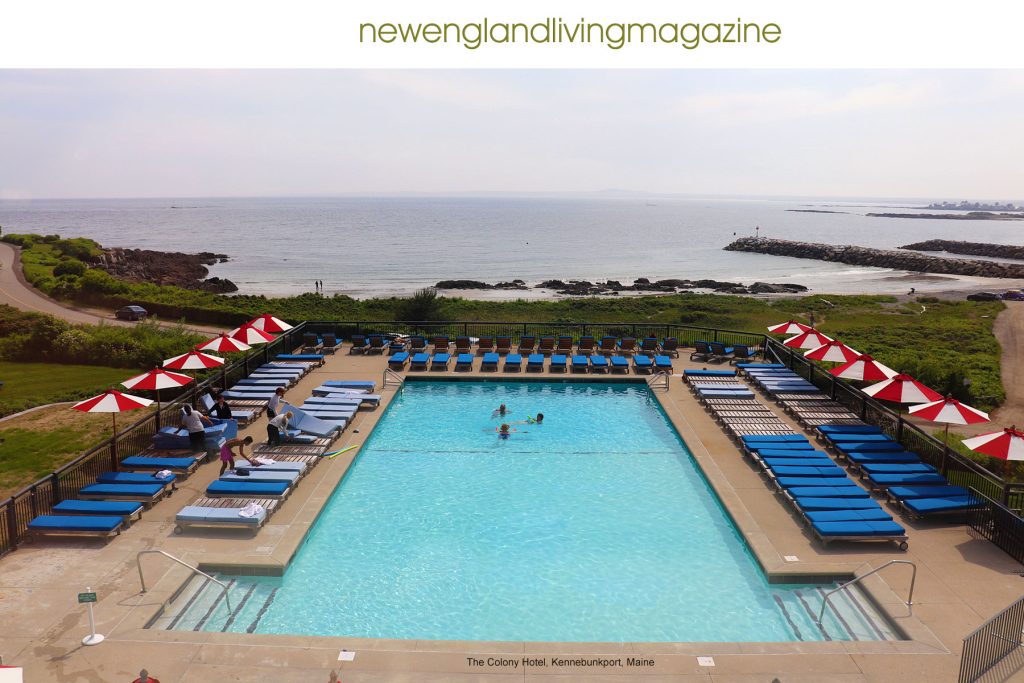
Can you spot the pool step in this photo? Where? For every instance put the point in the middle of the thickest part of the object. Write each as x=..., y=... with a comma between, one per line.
x=848, y=616
x=202, y=606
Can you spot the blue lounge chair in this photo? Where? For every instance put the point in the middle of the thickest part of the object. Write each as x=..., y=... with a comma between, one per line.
x=648, y=346
x=137, y=478
x=723, y=393
x=873, y=515
x=503, y=344
x=310, y=424
x=804, y=482
x=339, y=400
x=789, y=452
x=354, y=384
x=852, y=429
x=377, y=344
x=317, y=358
x=248, y=489
x=417, y=343
x=839, y=437
x=907, y=492
x=663, y=363
x=246, y=396
x=102, y=526
x=670, y=347
x=580, y=363
x=898, y=468
x=701, y=351
x=792, y=438
x=285, y=466
x=720, y=352
x=129, y=510
x=513, y=362
x=849, y=491
x=620, y=363
x=464, y=361
x=881, y=481
x=808, y=460
x=642, y=364
x=419, y=361
x=753, y=366
x=142, y=493
x=869, y=458
x=490, y=361
x=221, y=518
x=331, y=343
x=598, y=364
x=923, y=507
x=261, y=475
x=816, y=471
x=860, y=531
x=559, y=361
x=359, y=344
x=535, y=362
x=179, y=465
x=811, y=502
x=398, y=361
x=440, y=361
x=868, y=447
x=708, y=373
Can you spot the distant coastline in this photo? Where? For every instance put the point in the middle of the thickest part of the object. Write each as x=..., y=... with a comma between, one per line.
x=969, y=216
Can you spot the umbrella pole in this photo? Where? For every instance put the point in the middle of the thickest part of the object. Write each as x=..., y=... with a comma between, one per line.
x=113, y=443
x=158, y=410
x=945, y=451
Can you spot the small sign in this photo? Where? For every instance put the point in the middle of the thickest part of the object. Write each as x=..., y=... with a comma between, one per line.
x=346, y=656
x=791, y=558
x=706, y=661
x=86, y=597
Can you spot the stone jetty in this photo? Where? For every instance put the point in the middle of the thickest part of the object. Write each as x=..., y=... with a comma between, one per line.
x=878, y=258
x=969, y=248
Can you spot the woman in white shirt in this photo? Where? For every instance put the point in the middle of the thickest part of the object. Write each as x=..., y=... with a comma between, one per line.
x=196, y=425
x=276, y=427
x=275, y=403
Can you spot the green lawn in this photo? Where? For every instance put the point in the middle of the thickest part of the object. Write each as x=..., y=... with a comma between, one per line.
x=29, y=384
x=28, y=454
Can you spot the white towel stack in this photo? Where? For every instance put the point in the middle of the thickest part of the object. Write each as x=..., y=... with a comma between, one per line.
x=266, y=461
x=164, y=474
x=251, y=510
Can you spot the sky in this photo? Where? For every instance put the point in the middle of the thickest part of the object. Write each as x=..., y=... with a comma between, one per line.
x=199, y=133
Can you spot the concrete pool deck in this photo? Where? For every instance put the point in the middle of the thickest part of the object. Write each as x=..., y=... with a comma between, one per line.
x=961, y=581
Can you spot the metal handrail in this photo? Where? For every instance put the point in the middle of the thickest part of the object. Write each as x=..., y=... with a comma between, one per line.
x=195, y=570
x=392, y=376
x=655, y=381
x=910, y=596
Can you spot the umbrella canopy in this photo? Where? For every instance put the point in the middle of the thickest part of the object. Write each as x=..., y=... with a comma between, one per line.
x=269, y=323
x=811, y=339
x=864, y=368
x=111, y=401
x=790, y=327
x=833, y=351
x=193, y=360
x=223, y=344
x=950, y=411
x=157, y=379
x=250, y=335
x=902, y=389
x=1005, y=445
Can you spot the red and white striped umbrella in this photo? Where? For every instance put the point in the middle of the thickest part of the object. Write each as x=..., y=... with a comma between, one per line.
x=111, y=401
x=223, y=344
x=902, y=389
x=193, y=360
x=950, y=411
x=864, y=368
x=269, y=323
x=790, y=327
x=833, y=351
x=1005, y=445
x=811, y=339
x=157, y=379
x=251, y=335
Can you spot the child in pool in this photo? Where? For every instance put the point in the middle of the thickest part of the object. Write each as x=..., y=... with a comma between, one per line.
x=500, y=412
x=503, y=431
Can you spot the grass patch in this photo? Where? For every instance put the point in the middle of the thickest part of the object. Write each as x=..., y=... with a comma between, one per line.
x=32, y=384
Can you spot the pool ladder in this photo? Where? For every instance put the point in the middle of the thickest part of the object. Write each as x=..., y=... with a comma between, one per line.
x=659, y=381
x=392, y=378
x=910, y=596
x=195, y=570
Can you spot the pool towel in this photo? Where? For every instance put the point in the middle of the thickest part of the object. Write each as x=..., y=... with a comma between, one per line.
x=251, y=510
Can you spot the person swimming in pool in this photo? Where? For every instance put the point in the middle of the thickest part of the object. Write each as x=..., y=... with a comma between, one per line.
x=500, y=412
x=503, y=431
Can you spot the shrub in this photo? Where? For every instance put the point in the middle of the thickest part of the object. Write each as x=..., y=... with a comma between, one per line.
x=70, y=266
x=423, y=305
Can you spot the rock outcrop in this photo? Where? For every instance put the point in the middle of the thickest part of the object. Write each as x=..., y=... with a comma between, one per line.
x=640, y=284
x=878, y=258
x=187, y=271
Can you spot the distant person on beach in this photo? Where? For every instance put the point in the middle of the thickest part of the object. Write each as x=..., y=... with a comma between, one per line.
x=912, y=290
x=275, y=402
x=276, y=427
x=196, y=425
x=227, y=455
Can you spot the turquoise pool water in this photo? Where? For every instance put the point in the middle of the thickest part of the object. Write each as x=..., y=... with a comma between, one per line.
x=595, y=526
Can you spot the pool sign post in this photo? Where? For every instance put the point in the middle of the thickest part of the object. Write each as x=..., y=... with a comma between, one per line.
x=88, y=598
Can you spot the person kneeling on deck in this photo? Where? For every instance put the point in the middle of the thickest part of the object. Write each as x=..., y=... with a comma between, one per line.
x=227, y=456
x=277, y=426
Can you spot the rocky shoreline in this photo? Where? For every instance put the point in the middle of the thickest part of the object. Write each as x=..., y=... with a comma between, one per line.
x=878, y=258
x=640, y=284
x=968, y=248
x=188, y=271
x=969, y=216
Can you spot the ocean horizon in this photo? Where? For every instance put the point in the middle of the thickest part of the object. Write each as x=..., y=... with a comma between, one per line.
x=366, y=246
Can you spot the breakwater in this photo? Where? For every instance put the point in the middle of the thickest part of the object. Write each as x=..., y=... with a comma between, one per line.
x=878, y=258
x=969, y=248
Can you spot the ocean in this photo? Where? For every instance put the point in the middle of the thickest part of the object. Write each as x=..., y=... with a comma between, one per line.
x=392, y=246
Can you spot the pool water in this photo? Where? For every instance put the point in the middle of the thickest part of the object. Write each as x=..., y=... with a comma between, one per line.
x=594, y=526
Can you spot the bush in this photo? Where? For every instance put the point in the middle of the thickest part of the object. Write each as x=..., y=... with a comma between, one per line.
x=70, y=266
x=423, y=305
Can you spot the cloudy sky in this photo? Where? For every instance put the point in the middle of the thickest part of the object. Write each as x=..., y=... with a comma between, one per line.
x=939, y=134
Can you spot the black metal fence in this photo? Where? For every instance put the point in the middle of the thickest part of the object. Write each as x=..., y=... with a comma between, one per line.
x=987, y=648
x=39, y=498
x=957, y=468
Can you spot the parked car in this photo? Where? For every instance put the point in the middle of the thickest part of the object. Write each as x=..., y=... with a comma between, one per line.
x=984, y=296
x=131, y=313
x=1013, y=295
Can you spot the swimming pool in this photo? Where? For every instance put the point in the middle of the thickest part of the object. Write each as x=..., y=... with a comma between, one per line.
x=594, y=526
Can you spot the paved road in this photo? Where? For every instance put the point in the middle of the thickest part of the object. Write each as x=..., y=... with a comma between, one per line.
x=14, y=291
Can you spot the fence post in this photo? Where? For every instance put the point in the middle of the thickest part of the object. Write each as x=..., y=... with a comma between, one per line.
x=12, y=525
x=863, y=408
x=55, y=489
x=833, y=391
x=266, y=355
x=899, y=429
x=113, y=452
x=945, y=458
